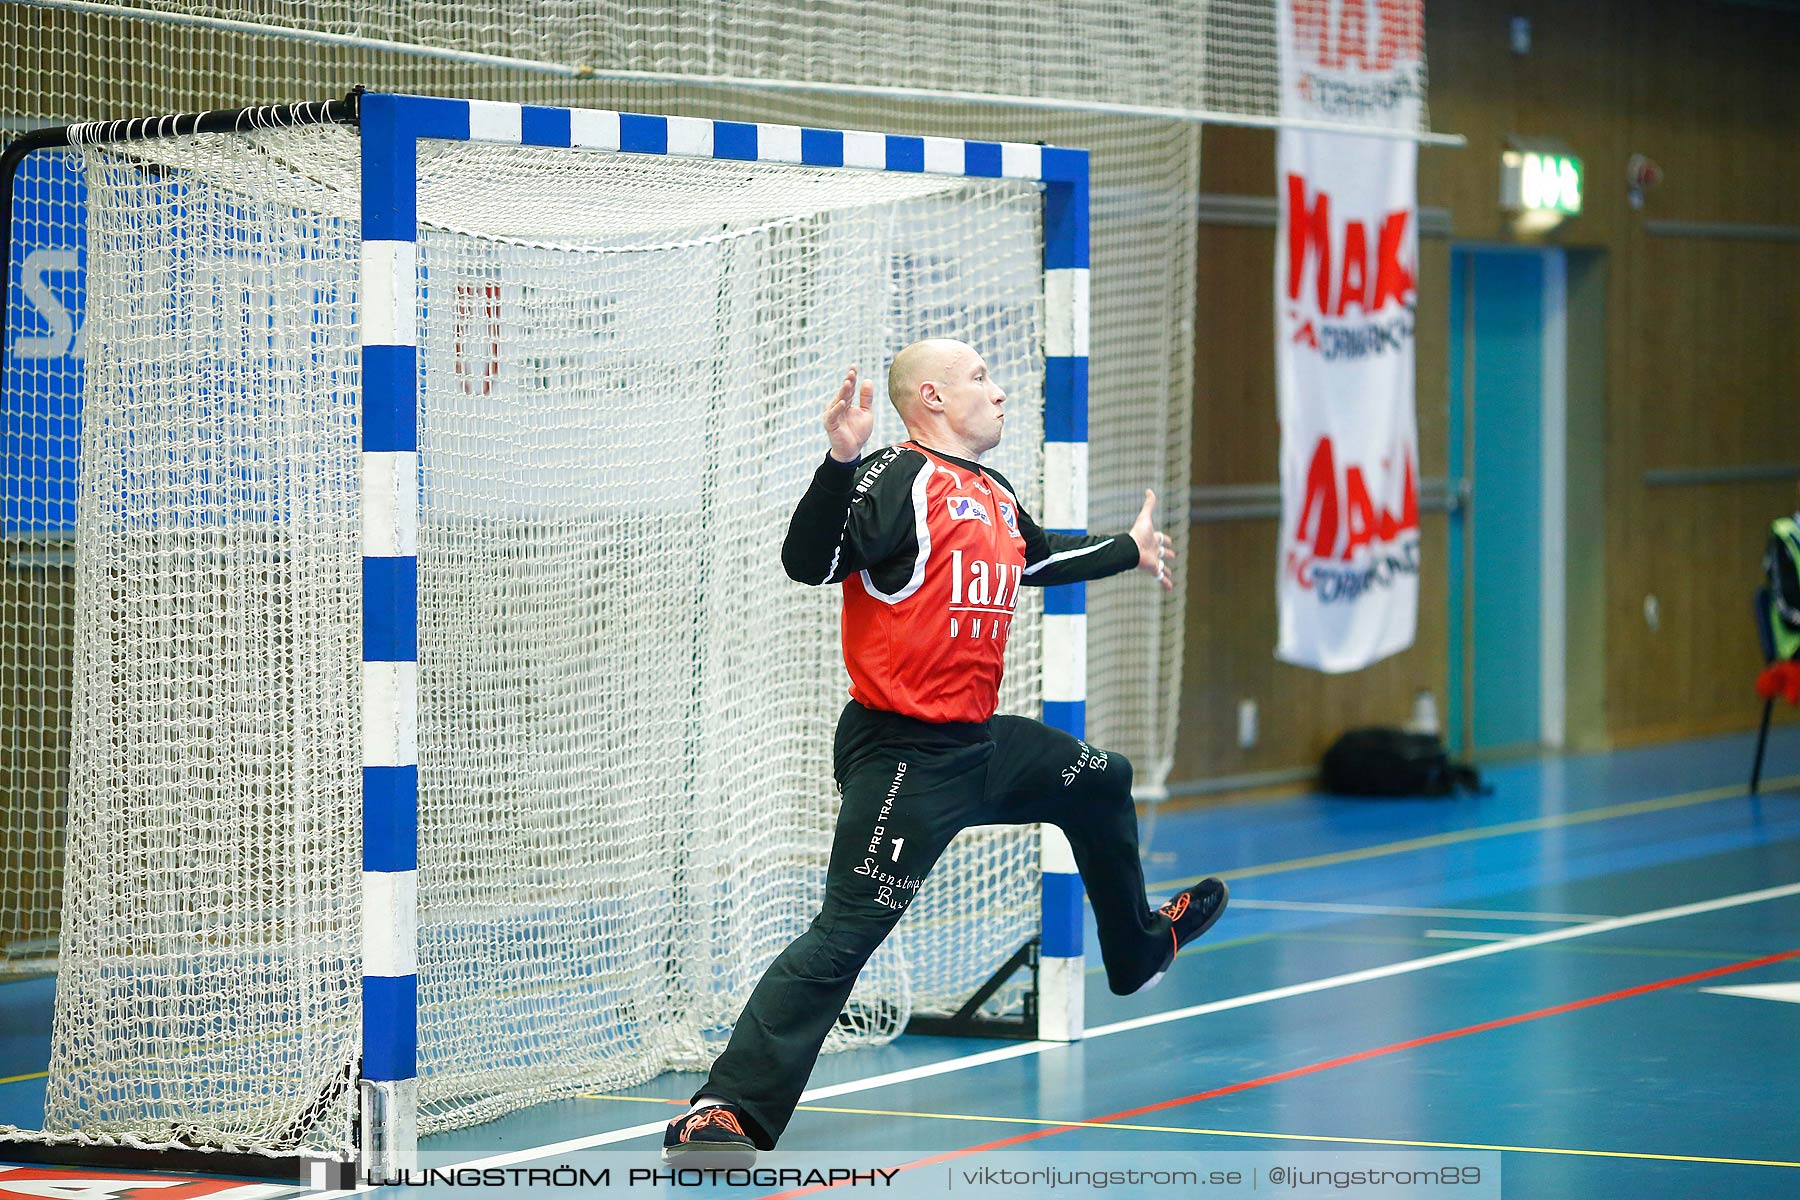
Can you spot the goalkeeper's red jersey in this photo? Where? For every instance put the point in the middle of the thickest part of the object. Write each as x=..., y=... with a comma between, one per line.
x=931, y=551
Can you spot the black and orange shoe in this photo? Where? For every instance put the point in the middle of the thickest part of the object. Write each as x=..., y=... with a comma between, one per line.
x=712, y=1136
x=1192, y=912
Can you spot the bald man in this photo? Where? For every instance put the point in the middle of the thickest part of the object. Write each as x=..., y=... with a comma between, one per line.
x=931, y=549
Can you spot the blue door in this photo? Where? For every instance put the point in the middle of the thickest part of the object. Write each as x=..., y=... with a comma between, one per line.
x=1497, y=314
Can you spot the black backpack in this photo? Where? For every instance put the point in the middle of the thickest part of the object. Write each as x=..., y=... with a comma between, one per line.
x=1392, y=762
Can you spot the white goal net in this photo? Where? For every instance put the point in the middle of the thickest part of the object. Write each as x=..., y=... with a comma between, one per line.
x=79, y=60
x=625, y=707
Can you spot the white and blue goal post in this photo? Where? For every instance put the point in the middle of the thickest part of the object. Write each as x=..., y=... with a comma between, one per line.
x=1061, y=967
x=391, y=128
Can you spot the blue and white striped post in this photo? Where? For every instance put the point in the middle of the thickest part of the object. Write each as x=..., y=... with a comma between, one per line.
x=391, y=129
x=388, y=316
x=1062, y=973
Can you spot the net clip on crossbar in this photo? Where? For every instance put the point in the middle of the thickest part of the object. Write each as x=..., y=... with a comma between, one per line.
x=967, y=1021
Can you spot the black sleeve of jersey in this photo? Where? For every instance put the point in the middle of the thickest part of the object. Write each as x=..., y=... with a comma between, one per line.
x=1053, y=558
x=853, y=516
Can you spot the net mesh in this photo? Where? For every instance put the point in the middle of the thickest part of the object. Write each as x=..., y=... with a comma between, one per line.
x=210, y=933
x=1215, y=57
x=61, y=65
x=625, y=708
x=693, y=362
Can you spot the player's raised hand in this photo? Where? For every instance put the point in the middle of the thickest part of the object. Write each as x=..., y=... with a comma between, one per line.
x=1154, y=547
x=849, y=418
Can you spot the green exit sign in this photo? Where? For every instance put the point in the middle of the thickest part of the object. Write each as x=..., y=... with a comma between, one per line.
x=1534, y=181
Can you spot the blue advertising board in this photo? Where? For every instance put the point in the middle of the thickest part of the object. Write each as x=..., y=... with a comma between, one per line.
x=40, y=391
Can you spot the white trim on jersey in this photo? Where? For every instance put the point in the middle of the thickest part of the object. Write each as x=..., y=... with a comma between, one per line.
x=1035, y=567
x=921, y=513
x=837, y=552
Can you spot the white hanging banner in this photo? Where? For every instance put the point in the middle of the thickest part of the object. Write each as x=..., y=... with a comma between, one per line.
x=1346, y=271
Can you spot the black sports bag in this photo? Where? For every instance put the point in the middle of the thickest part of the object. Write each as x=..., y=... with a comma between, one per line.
x=1393, y=762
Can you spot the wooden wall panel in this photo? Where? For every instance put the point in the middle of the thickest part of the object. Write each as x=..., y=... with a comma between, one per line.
x=1701, y=362
x=1713, y=382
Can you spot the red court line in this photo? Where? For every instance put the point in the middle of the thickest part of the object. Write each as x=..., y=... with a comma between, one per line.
x=1329, y=1064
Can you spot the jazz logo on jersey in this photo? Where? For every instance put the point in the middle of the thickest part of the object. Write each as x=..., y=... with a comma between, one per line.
x=1011, y=518
x=967, y=508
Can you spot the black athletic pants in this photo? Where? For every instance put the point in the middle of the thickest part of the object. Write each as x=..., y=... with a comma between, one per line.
x=909, y=787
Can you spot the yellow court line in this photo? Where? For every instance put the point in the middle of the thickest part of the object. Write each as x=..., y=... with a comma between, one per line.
x=1242, y=1133
x=1303, y=1137
x=23, y=1078
x=1483, y=832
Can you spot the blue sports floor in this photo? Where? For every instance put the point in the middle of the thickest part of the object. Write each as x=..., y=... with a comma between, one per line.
x=1532, y=974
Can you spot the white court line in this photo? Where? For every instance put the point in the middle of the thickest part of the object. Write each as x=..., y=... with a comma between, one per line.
x=1472, y=935
x=528, y=1154
x=1382, y=910
x=1180, y=1014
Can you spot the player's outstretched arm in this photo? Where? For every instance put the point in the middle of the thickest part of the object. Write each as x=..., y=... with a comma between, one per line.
x=1058, y=558
x=1154, y=547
